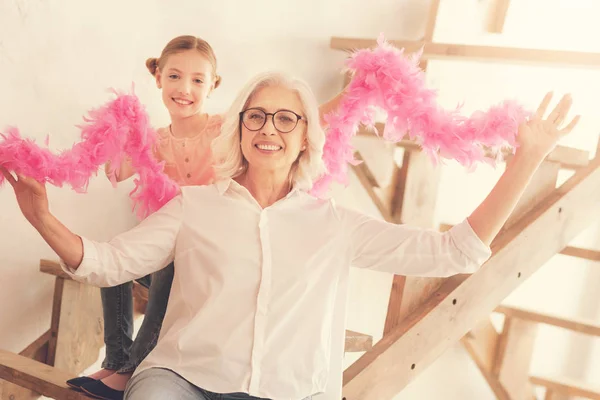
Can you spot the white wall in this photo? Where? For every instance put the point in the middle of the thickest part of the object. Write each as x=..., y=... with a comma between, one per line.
x=57, y=58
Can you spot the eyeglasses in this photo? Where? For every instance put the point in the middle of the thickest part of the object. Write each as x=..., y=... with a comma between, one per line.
x=283, y=120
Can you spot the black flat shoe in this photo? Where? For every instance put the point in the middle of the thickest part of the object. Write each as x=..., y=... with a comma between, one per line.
x=99, y=390
x=76, y=383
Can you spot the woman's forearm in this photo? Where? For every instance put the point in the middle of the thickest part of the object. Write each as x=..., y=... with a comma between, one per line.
x=489, y=217
x=67, y=245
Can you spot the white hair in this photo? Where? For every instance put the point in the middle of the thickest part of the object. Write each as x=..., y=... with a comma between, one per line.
x=227, y=152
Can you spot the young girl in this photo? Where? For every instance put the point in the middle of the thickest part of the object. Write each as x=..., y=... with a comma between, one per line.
x=186, y=73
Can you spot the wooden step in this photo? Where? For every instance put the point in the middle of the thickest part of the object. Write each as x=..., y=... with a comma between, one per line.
x=587, y=327
x=356, y=342
x=566, y=386
x=36, y=376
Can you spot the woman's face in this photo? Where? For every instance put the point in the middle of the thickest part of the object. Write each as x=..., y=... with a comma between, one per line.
x=273, y=142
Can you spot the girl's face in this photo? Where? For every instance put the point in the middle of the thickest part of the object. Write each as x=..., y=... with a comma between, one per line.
x=186, y=81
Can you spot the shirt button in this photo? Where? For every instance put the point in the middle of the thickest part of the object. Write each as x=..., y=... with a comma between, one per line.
x=189, y=175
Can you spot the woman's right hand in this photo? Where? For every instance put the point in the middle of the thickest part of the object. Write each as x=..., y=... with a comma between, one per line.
x=31, y=196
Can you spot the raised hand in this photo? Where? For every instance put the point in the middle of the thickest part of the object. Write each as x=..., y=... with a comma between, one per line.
x=31, y=196
x=538, y=136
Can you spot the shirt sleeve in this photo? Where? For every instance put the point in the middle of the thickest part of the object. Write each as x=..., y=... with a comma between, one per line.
x=133, y=254
x=404, y=250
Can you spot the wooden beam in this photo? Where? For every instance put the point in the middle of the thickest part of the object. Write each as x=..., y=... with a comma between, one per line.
x=514, y=347
x=36, y=376
x=59, y=285
x=463, y=300
x=80, y=327
x=368, y=181
x=430, y=28
x=33, y=350
x=569, y=158
x=567, y=387
x=481, y=343
x=434, y=7
x=38, y=351
x=513, y=357
x=552, y=395
x=53, y=268
x=498, y=16
x=587, y=327
x=586, y=254
x=451, y=51
x=414, y=204
x=542, y=184
x=356, y=342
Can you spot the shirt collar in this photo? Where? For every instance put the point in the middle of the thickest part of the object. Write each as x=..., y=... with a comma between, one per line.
x=224, y=184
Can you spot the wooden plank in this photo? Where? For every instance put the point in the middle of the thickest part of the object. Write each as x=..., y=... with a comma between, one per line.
x=587, y=254
x=33, y=350
x=38, y=351
x=462, y=301
x=587, y=327
x=59, y=285
x=434, y=7
x=368, y=181
x=53, y=268
x=568, y=387
x=80, y=331
x=481, y=343
x=356, y=342
x=413, y=203
x=570, y=158
x=513, y=357
x=451, y=51
x=498, y=16
x=552, y=395
x=541, y=185
x=430, y=28
x=34, y=375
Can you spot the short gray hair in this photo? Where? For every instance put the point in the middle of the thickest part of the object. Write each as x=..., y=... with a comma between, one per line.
x=227, y=153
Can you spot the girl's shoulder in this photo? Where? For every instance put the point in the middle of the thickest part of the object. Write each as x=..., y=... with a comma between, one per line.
x=163, y=133
x=213, y=126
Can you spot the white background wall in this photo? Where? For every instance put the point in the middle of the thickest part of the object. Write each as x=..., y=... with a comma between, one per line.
x=57, y=58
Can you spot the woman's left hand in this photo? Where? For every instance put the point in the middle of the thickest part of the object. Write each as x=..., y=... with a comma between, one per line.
x=538, y=136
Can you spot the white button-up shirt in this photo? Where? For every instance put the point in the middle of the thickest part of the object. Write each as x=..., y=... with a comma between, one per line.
x=252, y=299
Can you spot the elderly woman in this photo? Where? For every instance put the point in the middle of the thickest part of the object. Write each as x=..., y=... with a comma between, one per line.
x=258, y=260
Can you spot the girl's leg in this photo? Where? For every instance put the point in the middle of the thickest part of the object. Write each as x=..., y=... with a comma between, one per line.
x=147, y=336
x=117, y=307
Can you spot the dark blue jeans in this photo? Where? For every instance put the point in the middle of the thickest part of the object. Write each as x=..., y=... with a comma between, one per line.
x=123, y=353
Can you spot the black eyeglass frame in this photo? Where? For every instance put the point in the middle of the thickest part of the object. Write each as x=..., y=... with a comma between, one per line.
x=300, y=118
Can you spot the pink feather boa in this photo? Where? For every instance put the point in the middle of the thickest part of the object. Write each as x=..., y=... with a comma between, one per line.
x=382, y=77
x=385, y=78
x=118, y=129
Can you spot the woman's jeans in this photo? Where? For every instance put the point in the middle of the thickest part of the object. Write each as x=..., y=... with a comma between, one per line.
x=163, y=384
x=123, y=354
